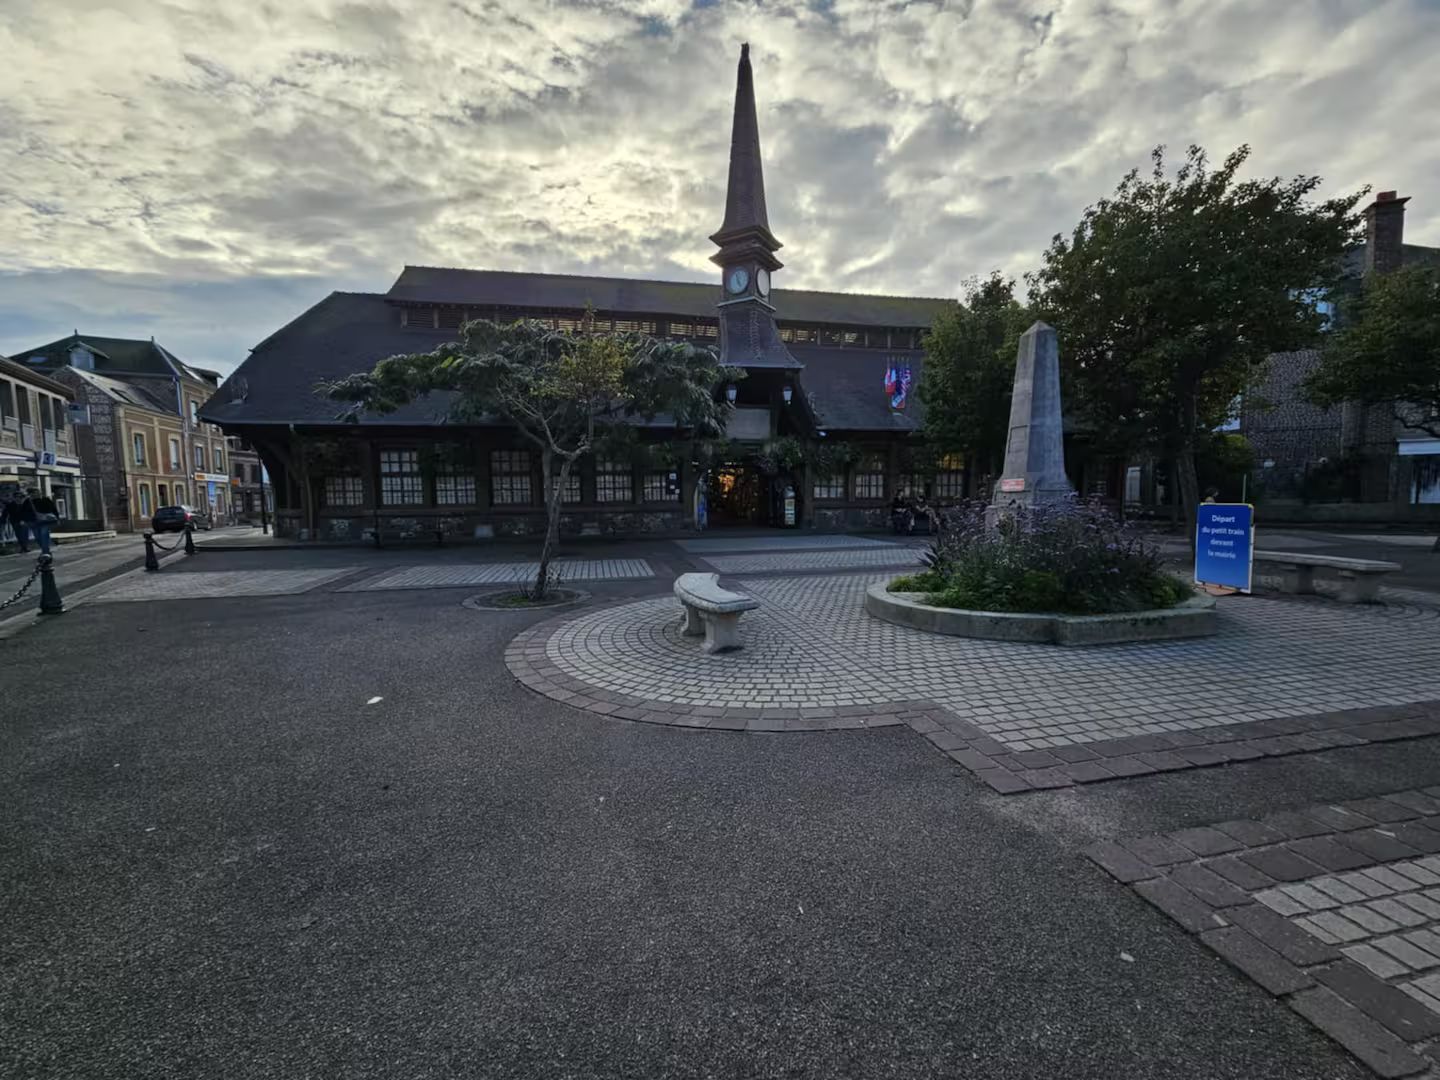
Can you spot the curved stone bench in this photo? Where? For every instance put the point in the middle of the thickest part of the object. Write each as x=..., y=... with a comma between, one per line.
x=712, y=611
x=1359, y=578
x=1190, y=618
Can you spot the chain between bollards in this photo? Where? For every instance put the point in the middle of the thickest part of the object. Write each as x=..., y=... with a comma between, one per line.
x=151, y=562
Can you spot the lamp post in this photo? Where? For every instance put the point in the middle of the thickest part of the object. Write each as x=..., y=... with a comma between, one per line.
x=787, y=393
x=730, y=392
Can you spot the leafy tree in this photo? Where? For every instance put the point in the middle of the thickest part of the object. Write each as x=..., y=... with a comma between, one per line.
x=562, y=391
x=1169, y=295
x=970, y=372
x=1387, y=349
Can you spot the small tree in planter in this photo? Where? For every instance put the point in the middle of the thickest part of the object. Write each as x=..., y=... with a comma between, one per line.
x=562, y=391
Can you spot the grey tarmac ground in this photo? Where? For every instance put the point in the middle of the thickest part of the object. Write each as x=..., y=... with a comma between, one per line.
x=216, y=859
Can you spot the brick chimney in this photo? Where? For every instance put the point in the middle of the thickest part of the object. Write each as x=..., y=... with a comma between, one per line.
x=1384, y=233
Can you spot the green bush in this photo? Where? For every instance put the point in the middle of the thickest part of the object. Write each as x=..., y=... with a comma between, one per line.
x=1074, y=559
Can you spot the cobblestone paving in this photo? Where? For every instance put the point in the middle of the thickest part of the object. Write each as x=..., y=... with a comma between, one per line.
x=887, y=555
x=779, y=542
x=1334, y=909
x=217, y=583
x=811, y=644
x=436, y=577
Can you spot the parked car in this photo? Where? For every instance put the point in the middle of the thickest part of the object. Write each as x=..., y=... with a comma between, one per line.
x=176, y=518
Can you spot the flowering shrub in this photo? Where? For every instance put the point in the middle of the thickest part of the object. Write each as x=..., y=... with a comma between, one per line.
x=1075, y=558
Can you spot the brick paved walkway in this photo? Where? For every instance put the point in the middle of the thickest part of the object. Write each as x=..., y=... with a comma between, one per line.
x=443, y=576
x=216, y=583
x=1334, y=909
x=1283, y=676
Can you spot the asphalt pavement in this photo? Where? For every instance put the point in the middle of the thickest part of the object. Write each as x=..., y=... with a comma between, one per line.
x=218, y=857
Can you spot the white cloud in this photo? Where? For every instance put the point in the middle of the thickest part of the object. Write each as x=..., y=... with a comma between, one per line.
x=230, y=162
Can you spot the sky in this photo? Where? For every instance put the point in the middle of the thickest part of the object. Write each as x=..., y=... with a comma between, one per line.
x=205, y=170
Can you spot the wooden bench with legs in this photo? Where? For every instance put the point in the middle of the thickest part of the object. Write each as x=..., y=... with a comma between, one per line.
x=1359, y=578
x=712, y=611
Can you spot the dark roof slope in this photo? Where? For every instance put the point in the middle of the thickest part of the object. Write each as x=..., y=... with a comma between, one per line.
x=349, y=332
x=504, y=288
x=34, y=378
x=130, y=356
x=848, y=387
x=342, y=334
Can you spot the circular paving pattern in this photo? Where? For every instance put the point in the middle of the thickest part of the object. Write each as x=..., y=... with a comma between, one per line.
x=813, y=659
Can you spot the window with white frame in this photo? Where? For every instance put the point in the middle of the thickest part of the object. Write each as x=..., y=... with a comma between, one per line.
x=219, y=460
x=175, y=454
x=571, y=494
x=199, y=457
x=950, y=477
x=614, y=481
x=455, y=487
x=179, y=494
x=659, y=487
x=164, y=493
x=400, y=481
x=7, y=405
x=870, y=477
x=830, y=487
x=510, y=479
x=137, y=448
x=145, y=509
x=344, y=491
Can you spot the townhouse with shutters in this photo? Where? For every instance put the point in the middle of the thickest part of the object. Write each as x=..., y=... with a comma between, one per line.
x=140, y=438
x=37, y=440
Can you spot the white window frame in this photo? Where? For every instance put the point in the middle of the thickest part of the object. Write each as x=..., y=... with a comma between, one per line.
x=137, y=447
x=401, y=477
x=200, y=457
x=176, y=463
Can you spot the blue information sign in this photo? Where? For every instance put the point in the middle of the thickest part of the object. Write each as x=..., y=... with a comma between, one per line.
x=1224, y=544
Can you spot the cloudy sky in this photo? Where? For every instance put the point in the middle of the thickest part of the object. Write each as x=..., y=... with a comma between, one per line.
x=204, y=170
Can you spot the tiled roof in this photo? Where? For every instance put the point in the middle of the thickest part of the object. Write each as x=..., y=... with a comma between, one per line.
x=348, y=332
x=34, y=378
x=132, y=392
x=690, y=299
x=116, y=356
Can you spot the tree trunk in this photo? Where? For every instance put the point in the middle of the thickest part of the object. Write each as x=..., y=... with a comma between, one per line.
x=552, y=492
x=1188, y=484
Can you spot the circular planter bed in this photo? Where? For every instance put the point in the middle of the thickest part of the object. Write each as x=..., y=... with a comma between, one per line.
x=514, y=600
x=1190, y=618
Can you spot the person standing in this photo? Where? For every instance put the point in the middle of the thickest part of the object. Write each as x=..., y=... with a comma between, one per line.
x=10, y=514
x=41, y=516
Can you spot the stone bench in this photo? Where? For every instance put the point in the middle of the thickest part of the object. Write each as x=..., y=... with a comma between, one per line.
x=1359, y=578
x=712, y=611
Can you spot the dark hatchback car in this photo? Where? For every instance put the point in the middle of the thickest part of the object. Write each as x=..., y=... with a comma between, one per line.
x=175, y=518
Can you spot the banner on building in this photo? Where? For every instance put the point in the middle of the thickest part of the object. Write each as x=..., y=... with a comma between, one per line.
x=897, y=384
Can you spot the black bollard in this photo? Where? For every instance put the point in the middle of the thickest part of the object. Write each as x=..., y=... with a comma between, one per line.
x=50, y=602
x=151, y=563
x=189, y=540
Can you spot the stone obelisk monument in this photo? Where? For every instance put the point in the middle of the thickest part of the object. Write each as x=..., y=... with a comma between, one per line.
x=1034, y=471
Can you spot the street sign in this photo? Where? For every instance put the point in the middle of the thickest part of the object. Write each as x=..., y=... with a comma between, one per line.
x=1224, y=545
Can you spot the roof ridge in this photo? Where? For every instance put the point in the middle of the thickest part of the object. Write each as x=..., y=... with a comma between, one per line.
x=661, y=281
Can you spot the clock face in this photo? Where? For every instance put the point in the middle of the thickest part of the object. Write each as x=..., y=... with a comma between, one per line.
x=738, y=279
x=762, y=281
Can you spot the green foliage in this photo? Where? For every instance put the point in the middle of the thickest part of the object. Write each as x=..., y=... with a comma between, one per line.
x=1075, y=558
x=1221, y=461
x=970, y=370
x=1169, y=295
x=926, y=581
x=562, y=391
x=1387, y=349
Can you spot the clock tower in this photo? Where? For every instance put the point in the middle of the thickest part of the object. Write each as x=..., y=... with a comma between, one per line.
x=748, y=336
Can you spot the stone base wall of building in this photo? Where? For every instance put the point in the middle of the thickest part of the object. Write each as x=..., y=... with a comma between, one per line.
x=424, y=526
x=1285, y=512
x=851, y=518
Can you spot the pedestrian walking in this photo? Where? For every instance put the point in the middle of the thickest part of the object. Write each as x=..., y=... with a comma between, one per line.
x=40, y=515
x=11, y=515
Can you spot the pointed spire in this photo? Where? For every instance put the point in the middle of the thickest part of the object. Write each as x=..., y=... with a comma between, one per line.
x=745, y=195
